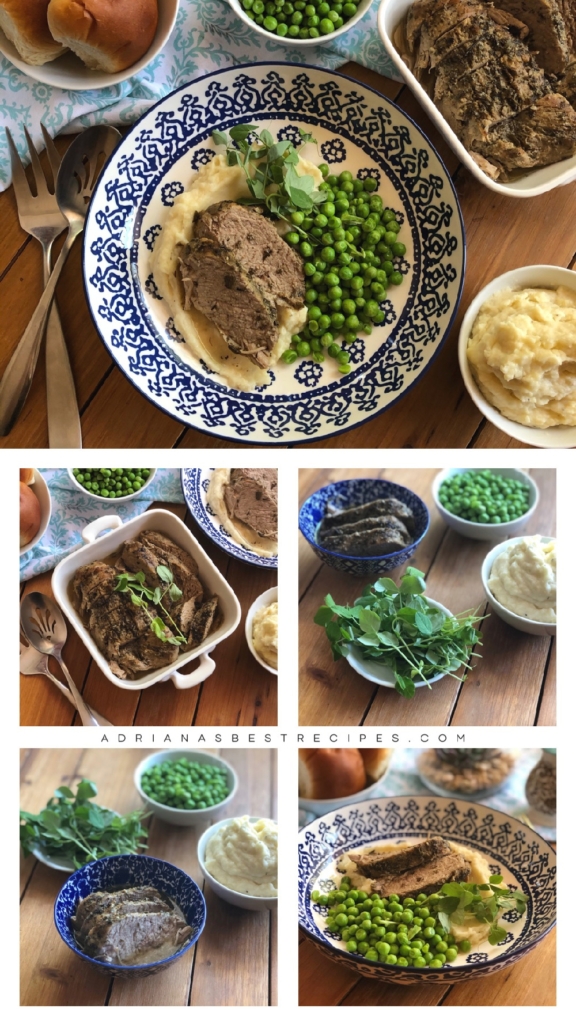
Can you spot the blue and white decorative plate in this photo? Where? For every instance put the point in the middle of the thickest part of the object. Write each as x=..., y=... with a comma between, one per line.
x=195, y=483
x=512, y=849
x=113, y=873
x=356, y=128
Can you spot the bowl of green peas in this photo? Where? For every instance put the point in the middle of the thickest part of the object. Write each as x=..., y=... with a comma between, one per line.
x=485, y=504
x=113, y=486
x=300, y=22
x=186, y=787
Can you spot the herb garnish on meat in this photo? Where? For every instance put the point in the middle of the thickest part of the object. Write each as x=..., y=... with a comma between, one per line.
x=135, y=585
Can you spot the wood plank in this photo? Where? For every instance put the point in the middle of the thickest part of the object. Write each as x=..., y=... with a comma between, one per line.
x=531, y=982
x=322, y=981
x=378, y=993
x=547, y=709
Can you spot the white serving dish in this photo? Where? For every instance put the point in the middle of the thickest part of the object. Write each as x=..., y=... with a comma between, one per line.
x=268, y=597
x=517, y=621
x=40, y=489
x=112, y=501
x=534, y=183
x=100, y=544
x=382, y=675
x=178, y=815
x=485, y=531
x=69, y=72
x=537, y=276
x=320, y=807
x=237, y=899
x=291, y=43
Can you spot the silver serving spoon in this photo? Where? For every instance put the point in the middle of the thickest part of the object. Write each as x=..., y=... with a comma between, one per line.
x=77, y=177
x=44, y=626
x=33, y=663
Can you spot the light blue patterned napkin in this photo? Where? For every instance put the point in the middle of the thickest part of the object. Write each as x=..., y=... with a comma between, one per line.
x=402, y=778
x=72, y=510
x=208, y=36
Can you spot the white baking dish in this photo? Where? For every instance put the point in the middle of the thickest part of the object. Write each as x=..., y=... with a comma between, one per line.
x=534, y=183
x=98, y=547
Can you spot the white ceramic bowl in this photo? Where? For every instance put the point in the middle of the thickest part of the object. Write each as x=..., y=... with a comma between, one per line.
x=382, y=675
x=486, y=531
x=517, y=621
x=320, y=807
x=533, y=183
x=288, y=41
x=40, y=488
x=538, y=276
x=268, y=597
x=112, y=501
x=97, y=546
x=175, y=815
x=237, y=899
x=69, y=72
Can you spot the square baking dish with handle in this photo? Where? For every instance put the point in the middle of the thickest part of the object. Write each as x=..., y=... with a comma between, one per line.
x=102, y=538
x=533, y=183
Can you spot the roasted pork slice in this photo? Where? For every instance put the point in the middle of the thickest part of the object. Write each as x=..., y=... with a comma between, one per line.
x=372, y=523
x=434, y=17
x=145, y=653
x=378, y=863
x=547, y=31
x=566, y=85
x=379, y=536
x=379, y=507
x=151, y=549
x=203, y=622
x=93, y=584
x=262, y=253
x=252, y=497
x=427, y=878
x=216, y=284
x=568, y=9
x=135, y=925
x=540, y=136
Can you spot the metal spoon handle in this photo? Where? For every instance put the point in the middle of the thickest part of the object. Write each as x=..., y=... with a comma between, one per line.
x=86, y=716
x=64, y=430
x=15, y=383
x=66, y=693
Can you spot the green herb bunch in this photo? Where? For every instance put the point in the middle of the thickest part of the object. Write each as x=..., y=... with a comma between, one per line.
x=459, y=899
x=73, y=828
x=135, y=585
x=398, y=627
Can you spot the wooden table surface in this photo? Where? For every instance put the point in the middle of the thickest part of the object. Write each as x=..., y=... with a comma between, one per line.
x=502, y=233
x=234, y=963
x=239, y=692
x=512, y=684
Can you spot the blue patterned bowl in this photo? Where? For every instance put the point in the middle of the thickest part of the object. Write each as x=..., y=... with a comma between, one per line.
x=512, y=850
x=118, y=872
x=195, y=483
x=345, y=493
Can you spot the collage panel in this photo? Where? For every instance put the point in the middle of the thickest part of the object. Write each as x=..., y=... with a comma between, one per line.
x=436, y=593
x=427, y=877
x=134, y=892
x=156, y=589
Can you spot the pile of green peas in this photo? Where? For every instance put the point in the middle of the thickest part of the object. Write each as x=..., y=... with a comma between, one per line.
x=299, y=19
x=111, y=483
x=187, y=785
x=484, y=497
x=349, y=248
x=388, y=930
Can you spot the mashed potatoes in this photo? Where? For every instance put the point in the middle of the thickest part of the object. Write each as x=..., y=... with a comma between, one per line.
x=523, y=579
x=265, y=634
x=243, y=856
x=522, y=353
x=215, y=183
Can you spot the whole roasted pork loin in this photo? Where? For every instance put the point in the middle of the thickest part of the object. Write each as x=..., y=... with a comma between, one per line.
x=137, y=925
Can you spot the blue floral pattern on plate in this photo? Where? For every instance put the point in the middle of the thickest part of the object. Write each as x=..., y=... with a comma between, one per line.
x=150, y=167
x=524, y=859
x=195, y=484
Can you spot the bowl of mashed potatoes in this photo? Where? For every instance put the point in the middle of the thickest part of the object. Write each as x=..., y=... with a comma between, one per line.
x=517, y=354
x=239, y=859
x=519, y=578
x=262, y=630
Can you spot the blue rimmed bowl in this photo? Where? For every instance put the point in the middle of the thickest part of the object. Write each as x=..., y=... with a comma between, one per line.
x=195, y=484
x=513, y=850
x=130, y=869
x=345, y=493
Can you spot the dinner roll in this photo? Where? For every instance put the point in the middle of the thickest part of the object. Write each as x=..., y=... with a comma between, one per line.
x=25, y=24
x=27, y=476
x=329, y=774
x=375, y=762
x=108, y=35
x=30, y=515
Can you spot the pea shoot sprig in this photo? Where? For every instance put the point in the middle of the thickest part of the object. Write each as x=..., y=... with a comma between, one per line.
x=135, y=585
x=459, y=899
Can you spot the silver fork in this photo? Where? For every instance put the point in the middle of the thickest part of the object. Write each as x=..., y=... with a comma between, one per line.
x=40, y=217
